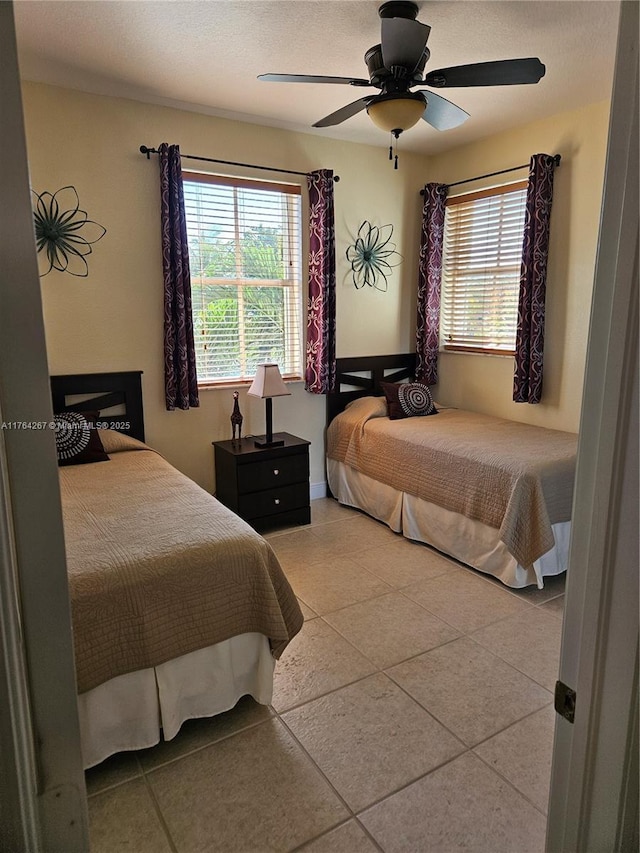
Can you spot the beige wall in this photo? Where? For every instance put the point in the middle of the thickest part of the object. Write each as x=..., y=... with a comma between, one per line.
x=112, y=320
x=484, y=383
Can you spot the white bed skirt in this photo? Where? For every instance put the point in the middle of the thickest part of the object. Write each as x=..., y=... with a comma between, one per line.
x=472, y=542
x=135, y=710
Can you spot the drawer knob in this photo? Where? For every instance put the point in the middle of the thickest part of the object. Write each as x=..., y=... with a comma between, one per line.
x=276, y=471
x=277, y=501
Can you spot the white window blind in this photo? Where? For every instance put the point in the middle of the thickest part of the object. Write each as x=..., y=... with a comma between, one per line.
x=246, y=276
x=481, y=269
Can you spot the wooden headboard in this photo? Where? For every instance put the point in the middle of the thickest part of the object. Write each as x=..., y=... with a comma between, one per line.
x=361, y=377
x=101, y=392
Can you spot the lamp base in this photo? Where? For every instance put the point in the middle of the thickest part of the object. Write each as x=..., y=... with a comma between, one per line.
x=266, y=443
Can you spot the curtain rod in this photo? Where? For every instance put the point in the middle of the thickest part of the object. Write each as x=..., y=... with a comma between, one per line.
x=556, y=157
x=148, y=151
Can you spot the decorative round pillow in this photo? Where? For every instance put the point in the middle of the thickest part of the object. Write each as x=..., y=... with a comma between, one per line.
x=408, y=400
x=77, y=439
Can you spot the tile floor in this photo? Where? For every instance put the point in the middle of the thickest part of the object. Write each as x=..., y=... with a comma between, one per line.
x=412, y=713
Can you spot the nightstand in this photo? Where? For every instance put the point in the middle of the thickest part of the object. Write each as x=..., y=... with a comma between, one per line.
x=266, y=486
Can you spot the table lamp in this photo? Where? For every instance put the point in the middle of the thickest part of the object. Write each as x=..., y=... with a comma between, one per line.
x=268, y=383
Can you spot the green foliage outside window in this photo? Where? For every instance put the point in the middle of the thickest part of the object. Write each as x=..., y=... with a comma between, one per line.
x=261, y=337
x=244, y=254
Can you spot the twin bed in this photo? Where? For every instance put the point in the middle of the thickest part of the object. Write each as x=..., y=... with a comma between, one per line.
x=494, y=494
x=178, y=606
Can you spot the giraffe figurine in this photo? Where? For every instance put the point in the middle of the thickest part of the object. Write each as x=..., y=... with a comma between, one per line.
x=236, y=418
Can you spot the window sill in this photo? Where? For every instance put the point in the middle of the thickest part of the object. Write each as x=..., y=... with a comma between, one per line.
x=241, y=383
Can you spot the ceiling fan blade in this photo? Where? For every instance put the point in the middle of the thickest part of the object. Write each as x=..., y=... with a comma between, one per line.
x=441, y=113
x=504, y=72
x=311, y=78
x=403, y=42
x=343, y=113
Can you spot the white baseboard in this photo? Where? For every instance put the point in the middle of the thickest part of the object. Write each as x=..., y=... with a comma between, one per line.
x=318, y=490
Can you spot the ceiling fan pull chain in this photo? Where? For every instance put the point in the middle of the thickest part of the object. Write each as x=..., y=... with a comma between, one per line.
x=391, y=148
x=395, y=165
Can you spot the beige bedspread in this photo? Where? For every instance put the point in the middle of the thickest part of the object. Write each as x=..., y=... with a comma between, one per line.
x=511, y=476
x=159, y=568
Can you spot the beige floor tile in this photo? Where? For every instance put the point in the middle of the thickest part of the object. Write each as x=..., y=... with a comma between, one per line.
x=307, y=612
x=195, y=734
x=403, y=562
x=370, y=739
x=301, y=548
x=473, y=692
x=522, y=754
x=391, y=628
x=275, y=532
x=355, y=533
x=348, y=838
x=254, y=792
x=463, y=806
x=334, y=583
x=113, y=771
x=125, y=818
x=465, y=601
x=554, y=605
x=529, y=641
x=326, y=510
x=316, y=661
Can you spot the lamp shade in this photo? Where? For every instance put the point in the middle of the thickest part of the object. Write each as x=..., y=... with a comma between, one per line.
x=268, y=382
x=397, y=113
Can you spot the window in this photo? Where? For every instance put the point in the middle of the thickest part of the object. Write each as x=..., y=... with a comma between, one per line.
x=481, y=269
x=246, y=276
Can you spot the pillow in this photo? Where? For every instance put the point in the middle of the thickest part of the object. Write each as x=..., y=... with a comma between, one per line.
x=115, y=442
x=373, y=407
x=408, y=400
x=77, y=439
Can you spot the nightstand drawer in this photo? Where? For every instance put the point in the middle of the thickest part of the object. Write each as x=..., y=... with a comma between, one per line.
x=273, y=474
x=273, y=501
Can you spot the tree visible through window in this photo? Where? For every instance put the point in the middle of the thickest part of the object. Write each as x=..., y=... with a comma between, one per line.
x=481, y=269
x=245, y=259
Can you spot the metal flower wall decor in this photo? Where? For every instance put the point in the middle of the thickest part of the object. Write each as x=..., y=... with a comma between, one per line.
x=372, y=256
x=58, y=224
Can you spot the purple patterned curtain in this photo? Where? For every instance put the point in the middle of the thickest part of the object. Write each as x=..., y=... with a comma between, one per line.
x=527, y=380
x=429, y=275
x=180, y=379
x=320, y=373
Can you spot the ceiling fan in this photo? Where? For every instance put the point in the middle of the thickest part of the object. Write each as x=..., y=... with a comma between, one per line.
x=397, y=64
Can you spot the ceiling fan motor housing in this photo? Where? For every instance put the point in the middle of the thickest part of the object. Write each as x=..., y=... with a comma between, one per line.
x=399, y=9
x=381, y=76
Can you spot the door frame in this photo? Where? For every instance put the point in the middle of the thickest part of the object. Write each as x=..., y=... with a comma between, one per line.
x=593, y=802
x=43, y=804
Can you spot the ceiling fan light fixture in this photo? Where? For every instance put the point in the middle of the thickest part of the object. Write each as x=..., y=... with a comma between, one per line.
x=397, y=112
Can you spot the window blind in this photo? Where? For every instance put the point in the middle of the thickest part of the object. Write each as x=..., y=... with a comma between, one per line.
x=246, y=276
x=481, y=269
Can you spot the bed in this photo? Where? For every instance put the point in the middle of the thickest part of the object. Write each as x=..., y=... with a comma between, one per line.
x=179, y=608
x=492, y=493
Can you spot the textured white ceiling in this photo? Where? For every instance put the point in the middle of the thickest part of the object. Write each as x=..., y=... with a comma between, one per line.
x=205, y=56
